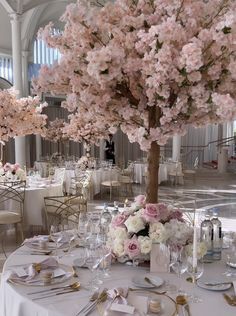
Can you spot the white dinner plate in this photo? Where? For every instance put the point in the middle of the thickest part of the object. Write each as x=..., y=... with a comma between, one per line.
x=218, y=287
x=63, y=273
x=139, y=281
x=231, y=264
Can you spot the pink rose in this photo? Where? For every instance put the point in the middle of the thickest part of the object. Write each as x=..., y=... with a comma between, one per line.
x=7, y=167
x=16, y=166
x=132, y=247
x=140, y=199
x=177, y=214
x=163, y=212
x=118, y=220
x=150, y=213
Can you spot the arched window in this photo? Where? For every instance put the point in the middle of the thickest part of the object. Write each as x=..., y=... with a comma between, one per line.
x=44, y=54
x=6, y=68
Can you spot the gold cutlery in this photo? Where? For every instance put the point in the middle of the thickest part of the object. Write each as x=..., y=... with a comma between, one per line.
x=75, y=274
x=55, y=294
x=181, y=300
x=231, y=300
x=74, y=286
x=158, y=293
x=102, y=297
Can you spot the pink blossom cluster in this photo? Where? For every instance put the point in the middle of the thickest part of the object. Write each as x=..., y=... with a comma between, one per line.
x=54, y=131
x=132, y=232
x=121, y=60
x=20, y=116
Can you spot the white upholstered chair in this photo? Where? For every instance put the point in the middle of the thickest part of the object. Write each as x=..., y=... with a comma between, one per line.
x=12, y=196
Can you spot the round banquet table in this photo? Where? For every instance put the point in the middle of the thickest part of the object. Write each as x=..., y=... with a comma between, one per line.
x=34, y=202
x=14, y=300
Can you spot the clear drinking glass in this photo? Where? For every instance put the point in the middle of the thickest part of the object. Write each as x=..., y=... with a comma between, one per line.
x=92, y=262
x=56, y=236
x=179, y=264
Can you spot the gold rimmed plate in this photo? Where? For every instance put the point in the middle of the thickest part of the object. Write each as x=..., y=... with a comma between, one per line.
x=168, y=305
x=60, y=274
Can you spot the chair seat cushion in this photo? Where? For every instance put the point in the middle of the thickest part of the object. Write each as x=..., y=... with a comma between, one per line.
x=189, y=171
x=7, y=217
x=176, y=174
x=111, y=183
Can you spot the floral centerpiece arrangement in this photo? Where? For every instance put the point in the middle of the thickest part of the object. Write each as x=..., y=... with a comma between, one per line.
x=132, y=232
x=12, y=172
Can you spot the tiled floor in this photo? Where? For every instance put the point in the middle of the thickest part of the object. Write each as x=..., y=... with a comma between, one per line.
x=210, y=189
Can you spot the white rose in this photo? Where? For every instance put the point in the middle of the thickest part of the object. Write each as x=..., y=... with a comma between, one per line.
x=157, y=232
x=117, y=233
x=134, y=224
x=118, y=248
x=145, y=244
x=21, y=174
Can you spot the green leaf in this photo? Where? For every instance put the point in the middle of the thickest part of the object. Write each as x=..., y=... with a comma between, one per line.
x=158, y=45
x=104, y=72
x=183, y=72
x=226, y=30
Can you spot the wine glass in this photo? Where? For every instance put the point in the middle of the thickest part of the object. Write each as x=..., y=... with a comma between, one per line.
x=92, y=260
x=179, y=265
x=56, y=236
x=195, y=272
x=105, y=262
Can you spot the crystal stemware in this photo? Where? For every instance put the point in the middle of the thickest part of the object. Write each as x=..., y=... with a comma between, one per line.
x=178, y=264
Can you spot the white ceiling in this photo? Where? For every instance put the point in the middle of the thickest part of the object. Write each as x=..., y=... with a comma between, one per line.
x=35, y=13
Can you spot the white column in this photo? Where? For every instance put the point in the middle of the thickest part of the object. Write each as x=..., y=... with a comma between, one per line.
x=20, y=152
x=38, y=147
x=176, y=147
x=25, y=81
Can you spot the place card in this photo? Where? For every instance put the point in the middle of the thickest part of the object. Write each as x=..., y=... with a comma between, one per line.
x=128, y=309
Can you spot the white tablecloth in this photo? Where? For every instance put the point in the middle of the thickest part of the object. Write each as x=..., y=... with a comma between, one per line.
x=141, y=168
x=34, y=203
x=14, y=300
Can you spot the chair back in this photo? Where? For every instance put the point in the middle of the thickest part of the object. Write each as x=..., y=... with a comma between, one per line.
x=59, y=175
x=59, y=209
x=13, y=191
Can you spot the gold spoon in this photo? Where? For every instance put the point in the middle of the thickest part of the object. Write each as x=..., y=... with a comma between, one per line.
x=181, y=300
x=75, y=274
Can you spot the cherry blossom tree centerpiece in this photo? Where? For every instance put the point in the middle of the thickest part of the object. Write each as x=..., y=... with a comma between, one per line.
x=149, y=67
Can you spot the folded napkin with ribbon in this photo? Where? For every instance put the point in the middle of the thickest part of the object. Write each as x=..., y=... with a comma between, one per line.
x=39, y=241
x=30, y=273
x=120, y=302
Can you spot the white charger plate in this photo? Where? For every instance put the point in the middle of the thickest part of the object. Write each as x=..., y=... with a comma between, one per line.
x=219, y=287
x=139, y=281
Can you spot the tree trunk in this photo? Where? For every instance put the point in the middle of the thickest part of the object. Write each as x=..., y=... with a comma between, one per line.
x=153, y=169
x=153, y=158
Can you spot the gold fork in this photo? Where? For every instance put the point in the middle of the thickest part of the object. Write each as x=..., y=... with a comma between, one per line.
x=231, y=300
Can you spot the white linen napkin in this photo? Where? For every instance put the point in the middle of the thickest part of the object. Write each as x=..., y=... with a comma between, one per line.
x=29, y=273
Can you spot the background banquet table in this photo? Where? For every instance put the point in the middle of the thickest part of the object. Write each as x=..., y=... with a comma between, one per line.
x=164, y=169
x=14, y=300
x=34, y=202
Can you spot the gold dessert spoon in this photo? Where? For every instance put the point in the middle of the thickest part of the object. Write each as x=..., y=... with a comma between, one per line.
x=181, y=300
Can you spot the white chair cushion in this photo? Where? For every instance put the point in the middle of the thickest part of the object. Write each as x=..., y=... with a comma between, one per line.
x=7, y=217
x=189, y=171
x=110, y=183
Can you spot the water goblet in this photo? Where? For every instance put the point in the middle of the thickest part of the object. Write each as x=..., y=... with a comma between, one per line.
x=195, y=273
x=92, y=262
x=56, y=236
x=179, y=265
